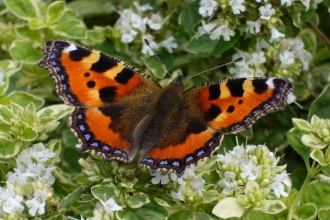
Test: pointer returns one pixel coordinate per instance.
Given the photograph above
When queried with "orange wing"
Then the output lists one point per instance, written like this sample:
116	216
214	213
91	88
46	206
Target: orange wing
86	77
232	106
108	95
212	110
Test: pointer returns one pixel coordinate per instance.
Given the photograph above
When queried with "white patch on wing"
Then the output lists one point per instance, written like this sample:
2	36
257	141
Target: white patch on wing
72	47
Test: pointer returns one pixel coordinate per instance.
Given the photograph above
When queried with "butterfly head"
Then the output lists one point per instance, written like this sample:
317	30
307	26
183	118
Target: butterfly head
178	82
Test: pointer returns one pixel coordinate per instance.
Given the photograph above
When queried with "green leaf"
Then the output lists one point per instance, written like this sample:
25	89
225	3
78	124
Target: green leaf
180	215
254	214
290	29
210	196
204	216
54	145
3	82
228	208
72	29
71	198
137	200
318	193
36	24
301	124
24	52
102	192
320	106
54	11
202	45
151	211
223	45
318	155
324	214
188	19
5	115
307	211
56	111
271	207
9	67
163	201
312	141
8	148
91	7
294	137
24	9
27	34
24	99
29	134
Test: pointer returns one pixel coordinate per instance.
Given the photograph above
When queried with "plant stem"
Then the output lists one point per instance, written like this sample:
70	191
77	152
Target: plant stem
320	33
311	173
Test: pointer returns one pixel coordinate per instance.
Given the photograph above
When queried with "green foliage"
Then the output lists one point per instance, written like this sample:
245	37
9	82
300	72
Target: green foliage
292	43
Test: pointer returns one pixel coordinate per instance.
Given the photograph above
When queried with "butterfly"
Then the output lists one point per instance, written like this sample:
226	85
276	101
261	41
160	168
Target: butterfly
120	111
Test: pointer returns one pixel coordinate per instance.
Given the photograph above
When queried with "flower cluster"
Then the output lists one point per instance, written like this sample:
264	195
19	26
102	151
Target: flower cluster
131	24
188	188
262	16
120	185
286	59
105	209
29	186
316	135
250	178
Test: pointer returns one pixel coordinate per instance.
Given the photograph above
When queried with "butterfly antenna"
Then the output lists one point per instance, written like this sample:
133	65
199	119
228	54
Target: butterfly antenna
161	62
234	61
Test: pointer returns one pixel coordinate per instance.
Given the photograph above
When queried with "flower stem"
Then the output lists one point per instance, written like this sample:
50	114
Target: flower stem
311	174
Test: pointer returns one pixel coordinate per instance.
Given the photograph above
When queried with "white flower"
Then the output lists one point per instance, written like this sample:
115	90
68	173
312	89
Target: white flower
145	48
250	171
278	183
238	151
139	22
258	58
19	177
237	6
176	179
266	12
160	177
37	203
226	159
128	34
142	8
286	2
305	57
2	76
155	22
6	193
110	206
13	205
306	3
206	28
178	195
228	182
38	152
276	35
207	7
253	26
169	44
223	31
198	184
43	174
286	58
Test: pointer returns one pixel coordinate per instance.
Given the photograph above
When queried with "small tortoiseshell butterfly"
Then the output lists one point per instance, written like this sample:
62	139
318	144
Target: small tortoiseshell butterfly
121	111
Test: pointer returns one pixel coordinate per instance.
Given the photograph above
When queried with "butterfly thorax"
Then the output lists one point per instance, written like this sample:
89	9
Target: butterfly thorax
166	103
